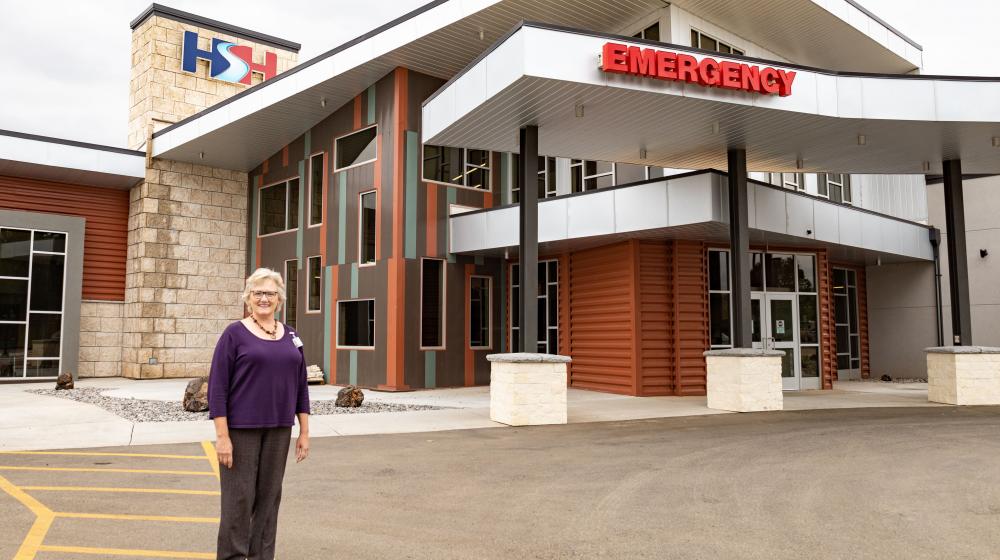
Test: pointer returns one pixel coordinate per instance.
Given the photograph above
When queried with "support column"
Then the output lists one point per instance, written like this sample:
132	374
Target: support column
528	248
739	237
958	265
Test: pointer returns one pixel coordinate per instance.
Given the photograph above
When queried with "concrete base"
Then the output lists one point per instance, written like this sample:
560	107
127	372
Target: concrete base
744	380
528	389
963	375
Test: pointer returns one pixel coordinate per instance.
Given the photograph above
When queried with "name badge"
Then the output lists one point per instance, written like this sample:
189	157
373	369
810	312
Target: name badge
296	341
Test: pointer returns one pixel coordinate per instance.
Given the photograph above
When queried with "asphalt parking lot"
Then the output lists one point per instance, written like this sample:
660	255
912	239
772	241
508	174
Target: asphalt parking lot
861	483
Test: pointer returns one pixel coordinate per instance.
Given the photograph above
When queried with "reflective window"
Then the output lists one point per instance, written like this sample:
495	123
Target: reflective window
279	207
316	189
651	33
548	307
15	250
291	292
357	148
50	242
806	266
368	227
356	323
479	312
457	166
47	282
780	272
314	286
703	41
432	303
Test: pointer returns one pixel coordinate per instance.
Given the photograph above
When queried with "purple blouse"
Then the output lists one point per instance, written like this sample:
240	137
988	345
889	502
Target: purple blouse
257	383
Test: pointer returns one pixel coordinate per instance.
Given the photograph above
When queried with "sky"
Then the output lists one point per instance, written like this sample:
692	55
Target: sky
67	63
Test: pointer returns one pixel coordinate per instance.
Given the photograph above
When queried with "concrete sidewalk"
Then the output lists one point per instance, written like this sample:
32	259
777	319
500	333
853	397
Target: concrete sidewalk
30	422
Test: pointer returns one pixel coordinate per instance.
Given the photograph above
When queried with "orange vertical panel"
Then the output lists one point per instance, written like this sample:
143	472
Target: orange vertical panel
284	156
564	318
690	316
654	319
828	340
862	295
379	201
357	112
265	166
488	200
325	199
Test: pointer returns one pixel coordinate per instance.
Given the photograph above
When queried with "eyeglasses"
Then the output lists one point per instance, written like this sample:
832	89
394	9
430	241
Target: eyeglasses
259	295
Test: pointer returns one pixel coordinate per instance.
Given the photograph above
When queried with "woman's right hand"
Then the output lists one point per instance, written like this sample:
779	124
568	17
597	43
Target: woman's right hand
224	448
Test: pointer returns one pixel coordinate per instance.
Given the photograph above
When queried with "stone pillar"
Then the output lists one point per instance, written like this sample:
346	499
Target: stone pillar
963	375
744	380
528	389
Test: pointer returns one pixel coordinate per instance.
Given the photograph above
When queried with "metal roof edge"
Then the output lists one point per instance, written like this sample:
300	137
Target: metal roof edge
74	143
885	24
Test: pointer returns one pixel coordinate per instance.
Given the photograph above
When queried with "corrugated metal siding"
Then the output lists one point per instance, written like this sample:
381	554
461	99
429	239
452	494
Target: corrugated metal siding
827	332
106	234
863	323
655	325
902	196
602	318
690	310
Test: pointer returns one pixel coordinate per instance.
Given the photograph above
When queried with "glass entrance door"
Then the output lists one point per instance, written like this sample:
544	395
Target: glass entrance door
778	330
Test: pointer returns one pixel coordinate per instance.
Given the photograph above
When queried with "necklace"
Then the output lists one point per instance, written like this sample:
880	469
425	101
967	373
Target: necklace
271	333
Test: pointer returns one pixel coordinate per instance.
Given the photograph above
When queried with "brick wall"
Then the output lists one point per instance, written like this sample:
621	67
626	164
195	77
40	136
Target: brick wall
185	268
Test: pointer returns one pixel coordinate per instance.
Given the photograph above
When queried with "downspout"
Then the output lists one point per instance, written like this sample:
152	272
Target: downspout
935	238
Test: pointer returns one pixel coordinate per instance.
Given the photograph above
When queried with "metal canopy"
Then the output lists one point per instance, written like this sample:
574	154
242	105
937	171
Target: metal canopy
65	161
856	123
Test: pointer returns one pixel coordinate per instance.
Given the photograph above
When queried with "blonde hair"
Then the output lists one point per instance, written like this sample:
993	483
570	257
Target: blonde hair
261	275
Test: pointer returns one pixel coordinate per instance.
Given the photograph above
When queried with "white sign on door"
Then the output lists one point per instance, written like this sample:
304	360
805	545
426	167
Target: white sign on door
779	326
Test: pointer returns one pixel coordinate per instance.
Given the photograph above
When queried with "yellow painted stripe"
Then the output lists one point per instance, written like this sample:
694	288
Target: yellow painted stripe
127	517
82	454
127	552
213	457
82	469
133	490
43	520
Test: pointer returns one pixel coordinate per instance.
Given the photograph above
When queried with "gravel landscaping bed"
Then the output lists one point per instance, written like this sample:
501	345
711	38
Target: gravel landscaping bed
139	410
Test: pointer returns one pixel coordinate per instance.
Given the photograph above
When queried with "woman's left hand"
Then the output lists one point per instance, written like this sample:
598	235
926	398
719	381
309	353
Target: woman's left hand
301	448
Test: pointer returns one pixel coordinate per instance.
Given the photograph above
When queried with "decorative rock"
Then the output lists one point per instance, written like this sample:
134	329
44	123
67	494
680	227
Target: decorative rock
64	381
196	395
885	378
314	374
350	396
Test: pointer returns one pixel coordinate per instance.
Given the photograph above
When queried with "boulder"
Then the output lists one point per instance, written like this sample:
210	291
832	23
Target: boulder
64	381
885	378
196	395
350	396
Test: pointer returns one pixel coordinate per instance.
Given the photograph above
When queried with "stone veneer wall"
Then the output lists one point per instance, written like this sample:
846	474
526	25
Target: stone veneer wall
100	338
161	93
185	267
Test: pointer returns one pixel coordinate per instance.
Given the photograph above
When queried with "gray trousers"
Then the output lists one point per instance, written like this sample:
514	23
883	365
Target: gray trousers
251	493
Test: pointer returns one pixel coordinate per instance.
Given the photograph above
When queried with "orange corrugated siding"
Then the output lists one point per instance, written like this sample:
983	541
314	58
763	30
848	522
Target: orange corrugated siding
827	331
863	322
690	310
602	318
655	328
106	235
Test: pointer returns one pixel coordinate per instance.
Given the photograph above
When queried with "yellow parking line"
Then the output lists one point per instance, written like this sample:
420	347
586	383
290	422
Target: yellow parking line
126	552
81	454
134	490
213	457
127	517
43	520
83	469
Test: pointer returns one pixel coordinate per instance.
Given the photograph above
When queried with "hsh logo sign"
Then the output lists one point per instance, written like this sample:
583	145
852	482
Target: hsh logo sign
226	61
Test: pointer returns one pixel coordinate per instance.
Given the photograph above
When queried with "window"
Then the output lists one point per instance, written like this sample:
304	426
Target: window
588	175
546	177
480	318
651	33
32	275
314	285
719	313
845	307
279	207
316	189
357	148
703	41
457	166
548	307
432	303
794	181
356	323
836	186
367	230
291	292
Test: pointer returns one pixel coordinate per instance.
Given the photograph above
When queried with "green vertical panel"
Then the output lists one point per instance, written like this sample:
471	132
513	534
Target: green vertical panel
412	143
300	235
452	198
502	288
504	172
353	379
371	104
354	280
328	306
430	370
308	144
254	185
342	219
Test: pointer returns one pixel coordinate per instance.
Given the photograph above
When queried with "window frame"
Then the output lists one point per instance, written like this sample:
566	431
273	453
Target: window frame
374	320
799	186
284	310
361	233
489	308
336	150
444	304
260	207
733	50
729	274
582	165
641	34
465	167
309	193
310	311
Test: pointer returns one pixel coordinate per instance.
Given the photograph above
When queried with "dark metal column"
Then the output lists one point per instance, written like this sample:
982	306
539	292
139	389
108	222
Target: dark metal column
958	265
739	237
528	249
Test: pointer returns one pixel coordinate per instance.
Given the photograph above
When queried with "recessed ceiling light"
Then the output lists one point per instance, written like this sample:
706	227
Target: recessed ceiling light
862	140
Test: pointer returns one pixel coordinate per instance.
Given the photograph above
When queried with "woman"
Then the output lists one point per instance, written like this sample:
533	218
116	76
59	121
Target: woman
256	387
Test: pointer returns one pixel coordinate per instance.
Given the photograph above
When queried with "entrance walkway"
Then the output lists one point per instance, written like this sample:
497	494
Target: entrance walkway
29	421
